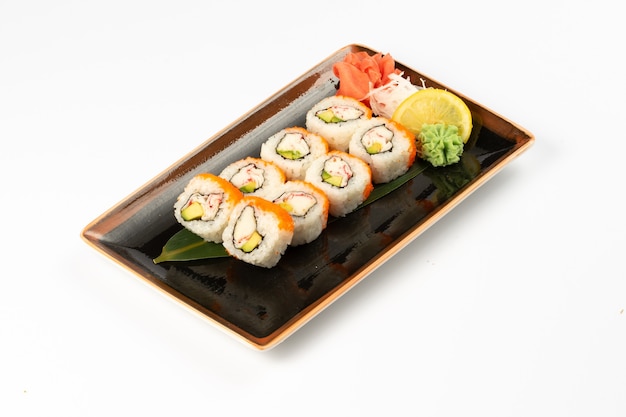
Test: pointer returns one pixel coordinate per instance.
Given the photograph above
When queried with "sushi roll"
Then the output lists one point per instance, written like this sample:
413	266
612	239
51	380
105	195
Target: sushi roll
335	118
387	147
258	232
205	205
308	206
345	179
253	176
293	149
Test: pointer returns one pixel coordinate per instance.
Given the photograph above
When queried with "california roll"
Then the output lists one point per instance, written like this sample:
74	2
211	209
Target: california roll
335	118
345	179
253	176
205	205
307	205
293	149
387	147
258	232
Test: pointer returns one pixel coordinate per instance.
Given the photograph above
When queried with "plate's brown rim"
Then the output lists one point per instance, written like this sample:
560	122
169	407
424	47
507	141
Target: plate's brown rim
92	233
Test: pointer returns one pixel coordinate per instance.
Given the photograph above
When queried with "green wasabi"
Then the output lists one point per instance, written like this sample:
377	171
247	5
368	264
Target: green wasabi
440	144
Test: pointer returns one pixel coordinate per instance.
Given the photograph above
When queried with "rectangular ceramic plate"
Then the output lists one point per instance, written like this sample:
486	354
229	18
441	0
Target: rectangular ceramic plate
263	306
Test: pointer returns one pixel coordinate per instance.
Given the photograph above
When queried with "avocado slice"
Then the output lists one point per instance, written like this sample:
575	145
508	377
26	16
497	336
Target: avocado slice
194	211
248	188
328	116
288	154
374	148
252	243
331	179
288	207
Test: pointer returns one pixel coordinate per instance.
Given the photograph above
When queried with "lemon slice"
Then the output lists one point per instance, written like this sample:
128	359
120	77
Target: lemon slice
434	106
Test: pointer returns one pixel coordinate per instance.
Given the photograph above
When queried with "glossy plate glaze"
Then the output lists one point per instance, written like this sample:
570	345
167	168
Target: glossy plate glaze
263	306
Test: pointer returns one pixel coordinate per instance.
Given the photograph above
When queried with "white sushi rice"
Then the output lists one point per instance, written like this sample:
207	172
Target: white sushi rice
275	239
389	164
201	187
345	198
338	134
310	146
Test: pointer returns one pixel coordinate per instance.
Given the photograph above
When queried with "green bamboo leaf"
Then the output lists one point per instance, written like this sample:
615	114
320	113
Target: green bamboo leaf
186	246
382	190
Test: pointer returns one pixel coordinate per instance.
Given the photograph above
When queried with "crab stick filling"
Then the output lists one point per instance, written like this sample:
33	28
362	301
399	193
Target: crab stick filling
248	179
339	113
297	203
293	146
377	140
336	172
202	207
245	234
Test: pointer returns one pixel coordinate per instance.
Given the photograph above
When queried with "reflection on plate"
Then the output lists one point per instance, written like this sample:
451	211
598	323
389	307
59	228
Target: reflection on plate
263	306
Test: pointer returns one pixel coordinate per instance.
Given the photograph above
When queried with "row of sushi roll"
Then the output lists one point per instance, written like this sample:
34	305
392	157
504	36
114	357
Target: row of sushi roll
259	206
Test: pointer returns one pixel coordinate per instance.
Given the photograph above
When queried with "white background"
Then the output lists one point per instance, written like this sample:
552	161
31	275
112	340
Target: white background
511	305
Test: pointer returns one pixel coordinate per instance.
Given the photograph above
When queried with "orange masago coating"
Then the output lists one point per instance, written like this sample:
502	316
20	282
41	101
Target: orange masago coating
224	184
285	221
